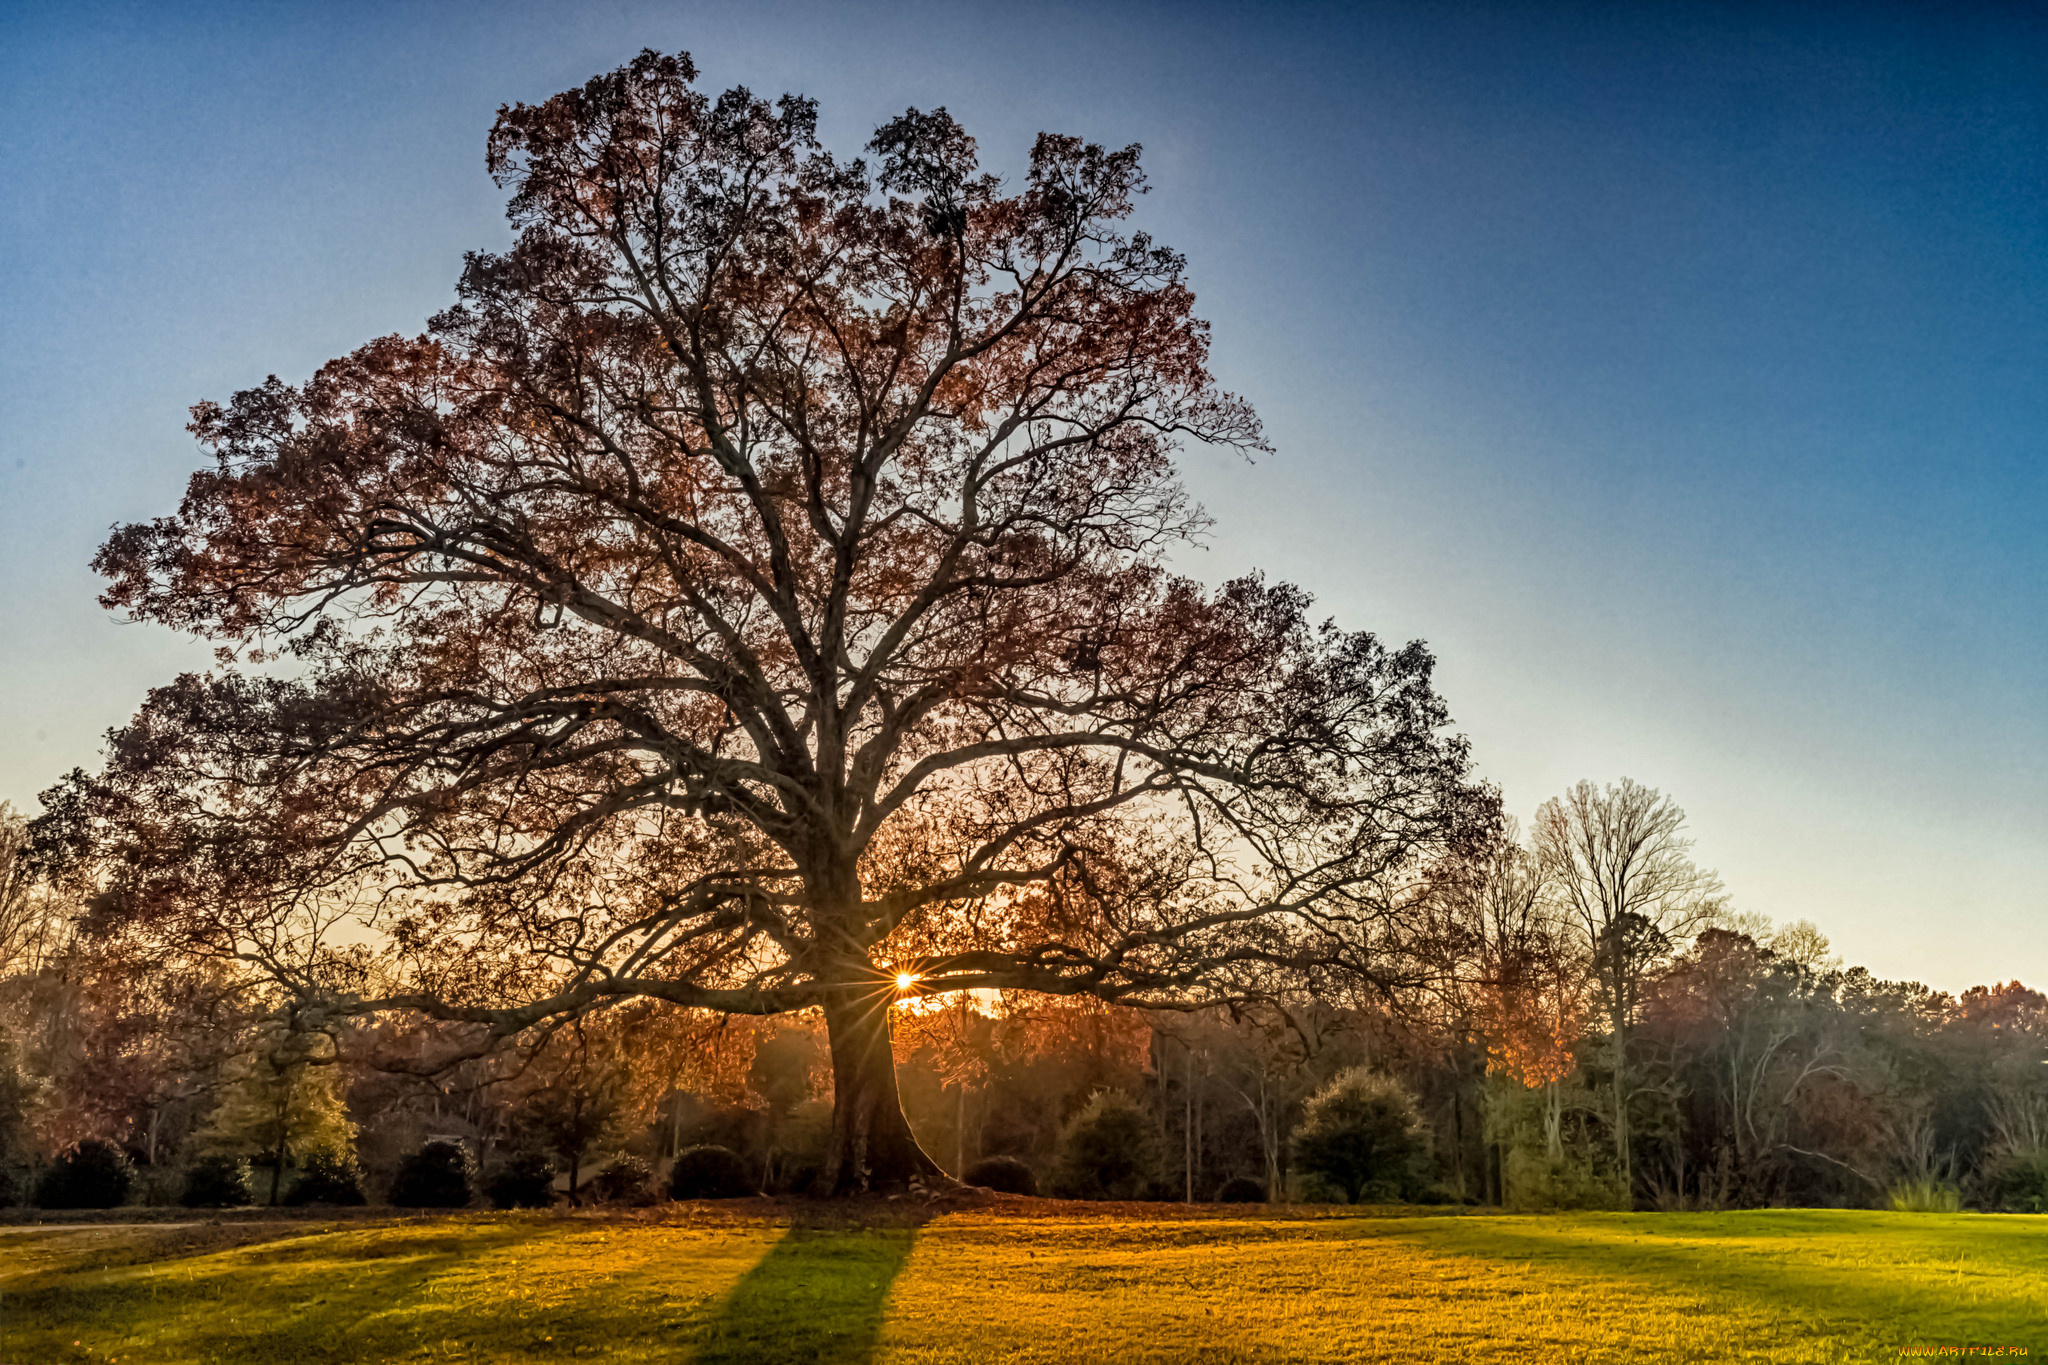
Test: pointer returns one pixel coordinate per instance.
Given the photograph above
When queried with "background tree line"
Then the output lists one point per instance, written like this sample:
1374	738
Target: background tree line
1579	1020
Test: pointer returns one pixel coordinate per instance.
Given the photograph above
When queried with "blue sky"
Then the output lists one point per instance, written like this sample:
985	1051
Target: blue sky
1677	373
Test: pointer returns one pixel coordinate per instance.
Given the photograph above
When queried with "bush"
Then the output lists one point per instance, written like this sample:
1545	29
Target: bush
217	1182
1108	1150
1242	1189
86	1175
1540	1183
628	1180
526	1180
1306	1187
2019	1184
802	1145
157	1187
710	1173
440	1175
1924	1196
1003	1174
328	1177
1361	1133
796	1179
11	1187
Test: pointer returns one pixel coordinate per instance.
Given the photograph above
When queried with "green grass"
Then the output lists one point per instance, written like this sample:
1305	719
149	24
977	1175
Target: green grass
1793	1285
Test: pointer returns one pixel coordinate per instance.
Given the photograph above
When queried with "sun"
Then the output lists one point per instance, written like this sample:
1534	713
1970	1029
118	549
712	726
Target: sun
904	981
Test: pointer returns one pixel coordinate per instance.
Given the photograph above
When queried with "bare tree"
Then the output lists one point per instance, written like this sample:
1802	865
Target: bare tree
1617	861
753	596
33	920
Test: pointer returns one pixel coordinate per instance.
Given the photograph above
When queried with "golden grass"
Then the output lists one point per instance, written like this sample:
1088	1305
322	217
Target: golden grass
1792	1285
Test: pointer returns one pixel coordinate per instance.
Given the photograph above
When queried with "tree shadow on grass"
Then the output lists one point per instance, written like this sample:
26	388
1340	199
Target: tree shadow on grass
1811	1289
819	1295
234	1300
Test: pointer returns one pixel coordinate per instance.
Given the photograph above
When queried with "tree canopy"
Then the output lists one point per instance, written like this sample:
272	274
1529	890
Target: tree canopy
755	589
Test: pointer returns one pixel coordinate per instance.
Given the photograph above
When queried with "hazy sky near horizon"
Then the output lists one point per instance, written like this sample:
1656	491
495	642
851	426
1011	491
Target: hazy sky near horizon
1677	373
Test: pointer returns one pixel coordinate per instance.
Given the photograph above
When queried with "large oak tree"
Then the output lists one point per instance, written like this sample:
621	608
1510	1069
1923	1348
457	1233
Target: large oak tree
753	594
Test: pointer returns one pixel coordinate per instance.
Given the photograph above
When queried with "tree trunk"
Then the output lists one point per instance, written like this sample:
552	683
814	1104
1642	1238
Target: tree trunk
1458	1133
1621	1144
960	1134
872	1146
1267	1149
1620	1015
284	1133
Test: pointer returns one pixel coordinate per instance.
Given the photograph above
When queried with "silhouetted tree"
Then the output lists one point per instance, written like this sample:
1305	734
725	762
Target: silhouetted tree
575	1093
754	589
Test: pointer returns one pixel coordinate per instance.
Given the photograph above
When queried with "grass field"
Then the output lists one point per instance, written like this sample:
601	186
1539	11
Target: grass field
1058	1284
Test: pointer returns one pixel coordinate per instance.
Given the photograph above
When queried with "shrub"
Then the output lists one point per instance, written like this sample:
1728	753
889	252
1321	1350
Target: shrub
2019	1184
1306	1187
216	1182
157	1187
440	1175
87	1175
1242	1189
628	1180
11	1186
802	1142
1003	1174
796	1179
1924	1196
1108	1150
1361	1133
1540	1183
710	1173
526	1180
327	1177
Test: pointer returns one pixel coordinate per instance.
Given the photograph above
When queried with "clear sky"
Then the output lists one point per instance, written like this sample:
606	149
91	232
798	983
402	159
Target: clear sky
1680	375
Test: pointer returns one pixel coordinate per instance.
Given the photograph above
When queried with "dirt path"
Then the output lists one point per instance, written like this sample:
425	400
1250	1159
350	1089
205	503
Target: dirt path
9	1229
